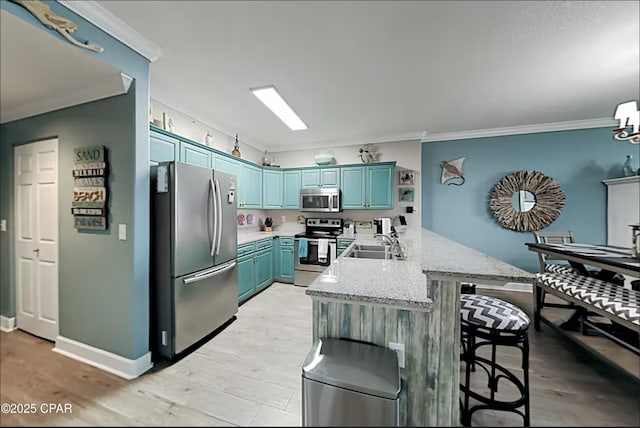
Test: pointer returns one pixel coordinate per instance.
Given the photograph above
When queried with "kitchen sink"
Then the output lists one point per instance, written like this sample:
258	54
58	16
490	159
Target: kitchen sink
361	251
356	254
363	247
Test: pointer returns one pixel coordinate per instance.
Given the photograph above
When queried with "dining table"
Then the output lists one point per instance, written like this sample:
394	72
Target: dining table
610	259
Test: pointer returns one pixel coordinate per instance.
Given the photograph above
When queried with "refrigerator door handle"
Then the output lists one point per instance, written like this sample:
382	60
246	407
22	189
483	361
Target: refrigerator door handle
215	218
210	201
219	219
209	273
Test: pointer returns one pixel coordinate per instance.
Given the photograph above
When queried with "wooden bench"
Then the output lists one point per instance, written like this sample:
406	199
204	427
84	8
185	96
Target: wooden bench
612	301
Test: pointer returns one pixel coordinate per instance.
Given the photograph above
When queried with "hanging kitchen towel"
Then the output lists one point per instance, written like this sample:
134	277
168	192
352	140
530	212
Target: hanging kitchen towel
303	248
323	250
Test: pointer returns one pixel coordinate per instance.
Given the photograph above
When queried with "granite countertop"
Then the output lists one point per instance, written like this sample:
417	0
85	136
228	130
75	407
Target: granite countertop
443	258
403	283
393	283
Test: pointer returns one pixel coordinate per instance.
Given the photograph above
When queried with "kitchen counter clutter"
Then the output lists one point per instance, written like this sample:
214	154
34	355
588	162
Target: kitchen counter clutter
413	305
244	238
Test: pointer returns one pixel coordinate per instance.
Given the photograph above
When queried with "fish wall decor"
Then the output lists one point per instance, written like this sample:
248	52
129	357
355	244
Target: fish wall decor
452	169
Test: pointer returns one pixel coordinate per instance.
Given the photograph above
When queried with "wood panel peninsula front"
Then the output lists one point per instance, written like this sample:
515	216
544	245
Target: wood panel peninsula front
415	302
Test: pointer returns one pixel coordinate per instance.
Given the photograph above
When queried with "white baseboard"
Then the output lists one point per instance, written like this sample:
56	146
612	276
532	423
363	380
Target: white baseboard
509	286
7	324
107	361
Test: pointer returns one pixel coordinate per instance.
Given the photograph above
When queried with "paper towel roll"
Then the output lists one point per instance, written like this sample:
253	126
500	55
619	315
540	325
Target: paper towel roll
386	226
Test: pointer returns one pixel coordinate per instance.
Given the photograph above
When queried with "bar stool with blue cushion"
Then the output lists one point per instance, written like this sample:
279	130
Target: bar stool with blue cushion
488	321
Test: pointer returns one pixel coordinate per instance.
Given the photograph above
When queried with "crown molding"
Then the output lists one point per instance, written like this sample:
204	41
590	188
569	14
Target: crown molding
523	129
126	81
389	138
111	24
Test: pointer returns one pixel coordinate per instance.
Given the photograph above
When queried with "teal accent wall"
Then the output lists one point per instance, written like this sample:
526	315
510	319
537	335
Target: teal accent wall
103	282
579	160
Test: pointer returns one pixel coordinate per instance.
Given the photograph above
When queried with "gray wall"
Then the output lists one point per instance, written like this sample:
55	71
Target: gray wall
579	160
103	282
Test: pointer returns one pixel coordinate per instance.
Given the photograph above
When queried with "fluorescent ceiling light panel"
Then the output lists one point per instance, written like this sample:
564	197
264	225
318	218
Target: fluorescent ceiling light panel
272	99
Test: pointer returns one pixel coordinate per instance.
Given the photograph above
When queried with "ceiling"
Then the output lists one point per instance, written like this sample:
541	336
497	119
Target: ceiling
41	73
360	72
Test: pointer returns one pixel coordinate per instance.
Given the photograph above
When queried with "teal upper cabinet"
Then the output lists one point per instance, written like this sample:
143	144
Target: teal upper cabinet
353	187
271	189
330	177
249	179
163	148
367	187
320	177
250	187
380	187
228	165
291	191
310	177
363	186
190	153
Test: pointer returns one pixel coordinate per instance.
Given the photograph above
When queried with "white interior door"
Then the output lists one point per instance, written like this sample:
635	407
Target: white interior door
36	235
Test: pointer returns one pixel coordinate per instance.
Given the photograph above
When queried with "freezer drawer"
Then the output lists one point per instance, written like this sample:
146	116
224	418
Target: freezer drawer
328	406
201	303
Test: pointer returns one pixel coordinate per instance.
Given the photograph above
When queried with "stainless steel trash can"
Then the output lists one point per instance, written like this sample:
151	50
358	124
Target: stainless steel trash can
346	383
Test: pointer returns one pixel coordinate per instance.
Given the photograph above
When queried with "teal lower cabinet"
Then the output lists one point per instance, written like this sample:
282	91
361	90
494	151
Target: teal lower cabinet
264	269
343	244
246	277
255	267
284	259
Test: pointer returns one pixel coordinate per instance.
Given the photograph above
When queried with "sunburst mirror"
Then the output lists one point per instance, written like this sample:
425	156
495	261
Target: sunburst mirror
526	201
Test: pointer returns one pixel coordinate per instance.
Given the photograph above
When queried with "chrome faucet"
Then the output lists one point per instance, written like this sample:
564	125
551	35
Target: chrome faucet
396	248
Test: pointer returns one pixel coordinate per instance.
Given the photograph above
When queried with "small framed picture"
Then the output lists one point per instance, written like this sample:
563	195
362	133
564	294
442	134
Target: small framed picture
406	194
406	178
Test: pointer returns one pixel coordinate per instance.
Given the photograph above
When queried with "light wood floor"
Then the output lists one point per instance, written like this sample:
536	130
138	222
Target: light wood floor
249	375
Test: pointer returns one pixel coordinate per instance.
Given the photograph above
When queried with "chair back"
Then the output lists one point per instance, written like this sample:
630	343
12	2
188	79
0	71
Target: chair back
551	237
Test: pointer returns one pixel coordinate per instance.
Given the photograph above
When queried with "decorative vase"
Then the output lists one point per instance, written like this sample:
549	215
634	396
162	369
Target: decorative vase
208	139
628	168
236	148
265	159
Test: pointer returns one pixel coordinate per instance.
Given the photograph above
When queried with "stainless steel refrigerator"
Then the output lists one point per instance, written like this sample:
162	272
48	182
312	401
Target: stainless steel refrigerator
194	280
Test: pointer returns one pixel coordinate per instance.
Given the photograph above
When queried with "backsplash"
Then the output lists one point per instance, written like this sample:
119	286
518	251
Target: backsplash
244	216
290	216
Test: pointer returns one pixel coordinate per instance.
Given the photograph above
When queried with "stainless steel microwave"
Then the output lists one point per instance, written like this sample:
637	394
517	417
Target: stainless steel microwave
326	200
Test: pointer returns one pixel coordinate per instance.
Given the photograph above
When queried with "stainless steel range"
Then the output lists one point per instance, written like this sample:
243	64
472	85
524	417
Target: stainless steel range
321	242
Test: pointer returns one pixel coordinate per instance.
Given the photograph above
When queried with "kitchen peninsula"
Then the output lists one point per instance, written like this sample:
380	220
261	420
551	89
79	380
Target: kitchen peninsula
414	302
